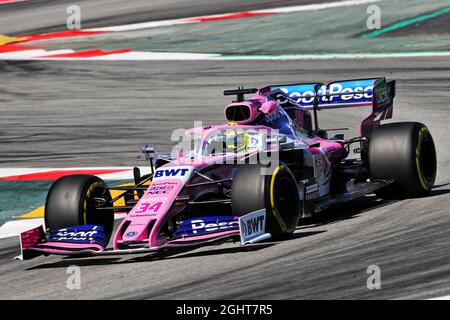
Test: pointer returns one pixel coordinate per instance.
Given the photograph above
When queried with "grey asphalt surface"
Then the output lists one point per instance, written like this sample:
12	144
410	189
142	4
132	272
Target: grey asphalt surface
88	113
39	16
98	113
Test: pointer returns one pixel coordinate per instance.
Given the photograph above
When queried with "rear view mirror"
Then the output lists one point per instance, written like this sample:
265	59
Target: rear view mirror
147	149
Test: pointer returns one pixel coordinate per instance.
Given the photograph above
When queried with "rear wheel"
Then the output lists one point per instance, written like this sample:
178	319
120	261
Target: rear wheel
404	152
71	201
276	192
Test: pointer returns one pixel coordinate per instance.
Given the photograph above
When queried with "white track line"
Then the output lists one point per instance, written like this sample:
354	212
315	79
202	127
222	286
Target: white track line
182	56
141	55
142	25
126	174
10	172
30	54
334	56
441	298
137	55
15	228
316	7
40	54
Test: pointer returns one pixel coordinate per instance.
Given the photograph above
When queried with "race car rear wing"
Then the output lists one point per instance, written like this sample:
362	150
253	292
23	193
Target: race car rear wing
375	93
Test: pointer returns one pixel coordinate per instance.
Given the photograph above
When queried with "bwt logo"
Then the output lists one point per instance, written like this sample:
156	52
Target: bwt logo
253	225
171	173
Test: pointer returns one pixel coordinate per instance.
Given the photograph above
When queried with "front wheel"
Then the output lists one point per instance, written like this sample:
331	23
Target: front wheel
72	201
404	152
277	192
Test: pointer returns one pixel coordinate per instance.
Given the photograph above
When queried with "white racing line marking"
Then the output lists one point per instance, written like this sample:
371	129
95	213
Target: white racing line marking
140	55
320	6
15	228
329	56
124	173
186	56
30	54
441	298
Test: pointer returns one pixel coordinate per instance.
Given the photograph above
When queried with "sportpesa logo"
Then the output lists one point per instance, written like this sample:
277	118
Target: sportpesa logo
201	225
80	235
205	225
337	92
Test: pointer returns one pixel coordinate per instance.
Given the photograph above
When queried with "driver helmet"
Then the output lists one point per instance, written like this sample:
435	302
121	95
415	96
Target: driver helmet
236	140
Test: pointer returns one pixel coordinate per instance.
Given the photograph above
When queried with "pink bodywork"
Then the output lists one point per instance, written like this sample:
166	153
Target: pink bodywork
144	222
253	104
34	240
150	208
153	209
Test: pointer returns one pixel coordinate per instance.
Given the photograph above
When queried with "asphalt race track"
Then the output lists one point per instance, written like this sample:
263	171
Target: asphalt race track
49	15
88	113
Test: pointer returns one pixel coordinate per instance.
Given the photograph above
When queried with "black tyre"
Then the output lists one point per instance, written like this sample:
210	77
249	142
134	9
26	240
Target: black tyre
404	152
277	193
70	202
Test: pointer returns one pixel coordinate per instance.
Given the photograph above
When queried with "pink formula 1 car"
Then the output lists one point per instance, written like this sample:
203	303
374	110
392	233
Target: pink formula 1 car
252	178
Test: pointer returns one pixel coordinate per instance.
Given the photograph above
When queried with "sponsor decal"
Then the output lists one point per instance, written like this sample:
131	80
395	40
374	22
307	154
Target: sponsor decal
322	173
79	234
252	227
206	225
256	141
161	188
345	92
318	165
170	173
180	173
131	234
273	116
209	227
140	215
382	95
65	234
321	166
311	190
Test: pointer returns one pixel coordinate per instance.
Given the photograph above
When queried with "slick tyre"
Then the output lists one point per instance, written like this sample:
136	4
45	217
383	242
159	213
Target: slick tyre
71	202
404	152
276	192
